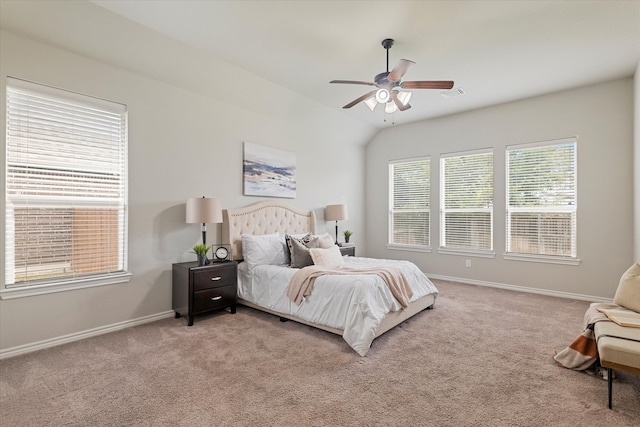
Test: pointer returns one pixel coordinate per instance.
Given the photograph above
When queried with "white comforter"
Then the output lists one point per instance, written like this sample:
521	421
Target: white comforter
355	304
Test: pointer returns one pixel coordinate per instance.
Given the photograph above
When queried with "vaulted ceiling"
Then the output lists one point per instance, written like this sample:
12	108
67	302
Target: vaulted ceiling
496	51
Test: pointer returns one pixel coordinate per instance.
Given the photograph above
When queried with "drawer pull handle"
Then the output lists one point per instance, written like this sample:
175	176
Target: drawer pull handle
216	278
216	298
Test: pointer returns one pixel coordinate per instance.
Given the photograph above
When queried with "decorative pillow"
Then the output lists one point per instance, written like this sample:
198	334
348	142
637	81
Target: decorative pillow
325	240
264	249
628	292
299	249
330	257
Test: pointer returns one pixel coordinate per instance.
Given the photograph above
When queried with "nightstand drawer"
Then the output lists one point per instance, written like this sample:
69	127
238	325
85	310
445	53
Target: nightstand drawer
348	250
208	278
214	298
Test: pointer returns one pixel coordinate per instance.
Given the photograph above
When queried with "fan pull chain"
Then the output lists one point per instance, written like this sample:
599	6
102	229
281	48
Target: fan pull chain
393	117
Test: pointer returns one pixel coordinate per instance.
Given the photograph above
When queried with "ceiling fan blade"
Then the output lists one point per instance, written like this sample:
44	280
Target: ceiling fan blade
434	84
358	100
399	70
399	104
352	82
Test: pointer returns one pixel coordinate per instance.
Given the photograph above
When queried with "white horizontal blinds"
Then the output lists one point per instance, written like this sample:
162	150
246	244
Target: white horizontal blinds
466	216
66	192
542	198
409	202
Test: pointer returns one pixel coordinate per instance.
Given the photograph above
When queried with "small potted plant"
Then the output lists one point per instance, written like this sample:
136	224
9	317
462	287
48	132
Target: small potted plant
201	251
347	235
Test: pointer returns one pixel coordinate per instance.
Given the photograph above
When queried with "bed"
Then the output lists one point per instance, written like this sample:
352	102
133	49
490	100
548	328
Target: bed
359	307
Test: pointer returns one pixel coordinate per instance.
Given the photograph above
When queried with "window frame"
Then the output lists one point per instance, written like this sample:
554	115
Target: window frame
443	210
9	290
572	209
391	207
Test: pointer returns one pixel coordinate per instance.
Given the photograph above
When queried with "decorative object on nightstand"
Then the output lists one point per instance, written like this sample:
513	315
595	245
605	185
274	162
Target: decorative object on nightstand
201	252
199	289
336	213
203	210
347	235
221	252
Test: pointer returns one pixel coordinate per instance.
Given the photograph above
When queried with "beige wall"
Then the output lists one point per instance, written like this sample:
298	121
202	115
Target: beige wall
181	144
600	116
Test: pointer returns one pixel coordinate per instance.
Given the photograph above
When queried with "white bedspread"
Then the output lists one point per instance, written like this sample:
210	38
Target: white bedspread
355	304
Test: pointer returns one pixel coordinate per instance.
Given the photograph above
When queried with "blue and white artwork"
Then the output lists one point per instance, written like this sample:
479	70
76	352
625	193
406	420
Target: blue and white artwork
269	172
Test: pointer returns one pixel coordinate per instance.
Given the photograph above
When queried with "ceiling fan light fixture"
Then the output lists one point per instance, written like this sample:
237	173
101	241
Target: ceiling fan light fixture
371	102
382	96
388	84
390	107
404	97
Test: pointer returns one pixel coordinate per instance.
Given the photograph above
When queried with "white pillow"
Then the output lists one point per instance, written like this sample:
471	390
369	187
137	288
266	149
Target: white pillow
330	257
264	249
628	292
325	240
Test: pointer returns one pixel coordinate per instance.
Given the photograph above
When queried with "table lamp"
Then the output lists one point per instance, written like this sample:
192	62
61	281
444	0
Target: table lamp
336	213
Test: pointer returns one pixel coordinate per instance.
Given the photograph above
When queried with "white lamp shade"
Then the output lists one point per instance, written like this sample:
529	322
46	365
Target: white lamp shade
203	210
390	107
404	97
382	96
371	102
336	213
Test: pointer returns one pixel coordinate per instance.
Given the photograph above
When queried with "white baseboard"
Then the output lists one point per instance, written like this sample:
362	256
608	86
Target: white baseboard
52	342
522	289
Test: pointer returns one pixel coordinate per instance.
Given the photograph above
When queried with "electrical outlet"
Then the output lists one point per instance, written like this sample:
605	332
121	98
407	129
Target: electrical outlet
468	263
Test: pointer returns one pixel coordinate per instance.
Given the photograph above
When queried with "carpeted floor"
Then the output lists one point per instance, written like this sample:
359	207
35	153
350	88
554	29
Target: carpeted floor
482	357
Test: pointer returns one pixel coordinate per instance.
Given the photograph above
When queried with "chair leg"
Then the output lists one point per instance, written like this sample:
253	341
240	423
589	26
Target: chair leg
609	383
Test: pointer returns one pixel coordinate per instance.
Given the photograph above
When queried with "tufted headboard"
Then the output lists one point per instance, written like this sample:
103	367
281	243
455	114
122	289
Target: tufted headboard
263	218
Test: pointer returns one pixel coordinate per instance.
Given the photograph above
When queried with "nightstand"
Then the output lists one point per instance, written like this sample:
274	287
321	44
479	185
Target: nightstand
200	289
348	250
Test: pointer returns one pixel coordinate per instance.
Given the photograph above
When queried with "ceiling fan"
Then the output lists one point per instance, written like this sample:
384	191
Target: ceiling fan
389	86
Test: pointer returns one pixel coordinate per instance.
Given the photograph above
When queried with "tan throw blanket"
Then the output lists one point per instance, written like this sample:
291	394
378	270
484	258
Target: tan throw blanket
583	351
302	281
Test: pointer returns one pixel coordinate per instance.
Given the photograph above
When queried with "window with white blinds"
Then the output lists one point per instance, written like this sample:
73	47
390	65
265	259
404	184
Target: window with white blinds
466	201
409	202
66	188
542	198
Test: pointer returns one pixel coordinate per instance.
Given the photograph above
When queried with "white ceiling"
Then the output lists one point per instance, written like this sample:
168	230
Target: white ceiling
497	51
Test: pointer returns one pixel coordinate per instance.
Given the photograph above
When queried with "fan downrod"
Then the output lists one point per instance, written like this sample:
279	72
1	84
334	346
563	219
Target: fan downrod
387	43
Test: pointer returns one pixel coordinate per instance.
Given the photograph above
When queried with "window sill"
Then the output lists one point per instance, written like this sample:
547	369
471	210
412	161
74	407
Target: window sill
29	291
542	258
467	252
410	248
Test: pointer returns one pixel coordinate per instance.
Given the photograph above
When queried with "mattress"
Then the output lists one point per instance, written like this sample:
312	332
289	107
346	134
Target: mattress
355	304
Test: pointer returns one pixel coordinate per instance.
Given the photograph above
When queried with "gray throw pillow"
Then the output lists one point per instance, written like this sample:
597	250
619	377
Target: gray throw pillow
299	249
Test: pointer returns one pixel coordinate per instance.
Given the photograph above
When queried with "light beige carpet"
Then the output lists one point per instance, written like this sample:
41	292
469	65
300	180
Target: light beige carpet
482	357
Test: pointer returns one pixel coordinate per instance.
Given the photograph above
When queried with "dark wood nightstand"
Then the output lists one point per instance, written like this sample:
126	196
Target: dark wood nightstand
200	289
348	250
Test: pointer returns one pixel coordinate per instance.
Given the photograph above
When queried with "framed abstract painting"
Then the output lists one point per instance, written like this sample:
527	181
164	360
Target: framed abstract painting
268	172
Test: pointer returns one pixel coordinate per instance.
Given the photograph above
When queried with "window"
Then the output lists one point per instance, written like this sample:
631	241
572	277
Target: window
66	189
541	198
466	202
409	203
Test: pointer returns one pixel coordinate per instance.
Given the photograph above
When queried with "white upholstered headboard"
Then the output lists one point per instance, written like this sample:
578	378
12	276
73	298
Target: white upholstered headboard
263	218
